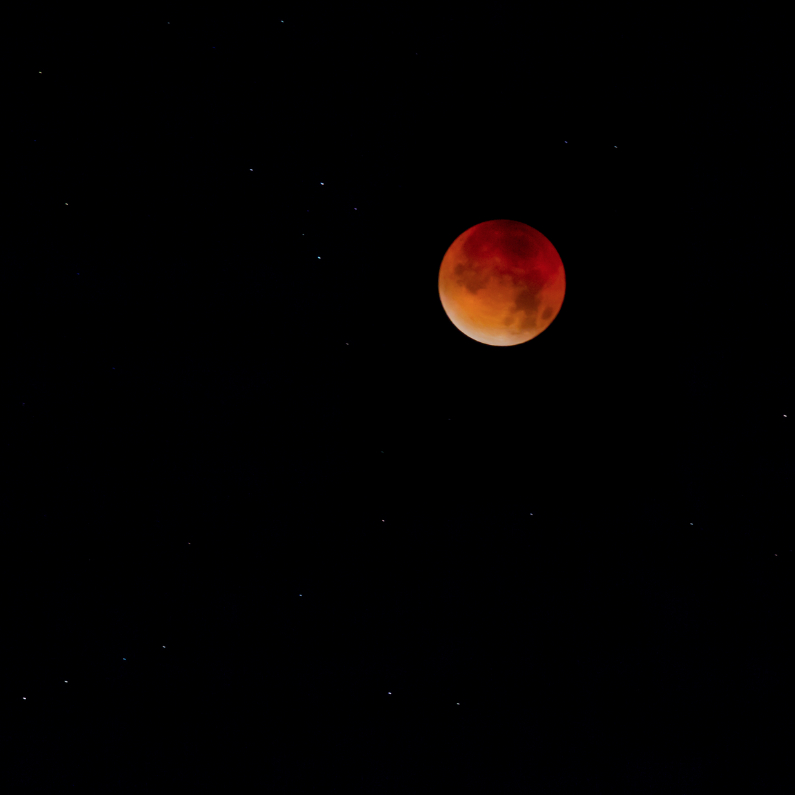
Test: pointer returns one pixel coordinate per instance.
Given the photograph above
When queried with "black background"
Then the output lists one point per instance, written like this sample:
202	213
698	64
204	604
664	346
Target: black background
383	557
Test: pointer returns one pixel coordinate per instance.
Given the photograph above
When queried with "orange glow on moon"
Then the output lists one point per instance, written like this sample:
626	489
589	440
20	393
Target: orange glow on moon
502	282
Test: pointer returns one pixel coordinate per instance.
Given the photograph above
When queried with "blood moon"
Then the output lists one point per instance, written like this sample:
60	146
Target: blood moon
502	282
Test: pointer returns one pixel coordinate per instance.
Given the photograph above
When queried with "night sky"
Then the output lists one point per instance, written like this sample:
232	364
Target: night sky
274	524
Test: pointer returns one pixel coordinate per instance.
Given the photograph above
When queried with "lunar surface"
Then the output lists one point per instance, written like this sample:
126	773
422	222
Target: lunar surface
502	282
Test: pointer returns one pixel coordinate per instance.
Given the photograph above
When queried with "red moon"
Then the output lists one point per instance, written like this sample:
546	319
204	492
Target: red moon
502	282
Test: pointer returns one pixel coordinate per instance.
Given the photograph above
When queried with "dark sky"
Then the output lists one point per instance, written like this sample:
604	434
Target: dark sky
274	521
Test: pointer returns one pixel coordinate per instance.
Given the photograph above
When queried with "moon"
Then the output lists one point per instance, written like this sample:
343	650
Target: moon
502	283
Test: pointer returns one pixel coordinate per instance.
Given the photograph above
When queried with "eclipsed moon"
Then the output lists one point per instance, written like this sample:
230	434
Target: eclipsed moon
502	282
